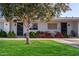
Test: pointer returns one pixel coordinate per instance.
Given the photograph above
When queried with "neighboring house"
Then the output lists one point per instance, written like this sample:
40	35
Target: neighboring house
62	24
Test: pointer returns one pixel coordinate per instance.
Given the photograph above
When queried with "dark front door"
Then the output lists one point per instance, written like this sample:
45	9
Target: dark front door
64	28
19	29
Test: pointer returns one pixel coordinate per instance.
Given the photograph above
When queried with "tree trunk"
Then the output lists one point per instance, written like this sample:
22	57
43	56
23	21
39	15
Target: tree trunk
27	37
26	23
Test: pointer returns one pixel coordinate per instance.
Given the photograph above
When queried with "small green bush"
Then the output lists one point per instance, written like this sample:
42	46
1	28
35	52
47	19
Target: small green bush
11	35
32	35
3	34
65	36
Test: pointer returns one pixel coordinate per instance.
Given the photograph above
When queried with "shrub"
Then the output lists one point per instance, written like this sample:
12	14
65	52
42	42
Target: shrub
3	34
32	35
11	35
59	35
41	35
65	36
73	33
44	35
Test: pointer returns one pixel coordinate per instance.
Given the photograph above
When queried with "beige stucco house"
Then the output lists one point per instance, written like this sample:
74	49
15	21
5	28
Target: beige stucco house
61	24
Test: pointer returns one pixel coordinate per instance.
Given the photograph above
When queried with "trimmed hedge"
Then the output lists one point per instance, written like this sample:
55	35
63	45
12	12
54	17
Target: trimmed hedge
65	36
11	35
32	35
59	35
3	34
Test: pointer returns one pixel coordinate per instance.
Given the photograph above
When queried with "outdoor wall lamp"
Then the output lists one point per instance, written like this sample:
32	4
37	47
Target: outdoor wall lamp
68	24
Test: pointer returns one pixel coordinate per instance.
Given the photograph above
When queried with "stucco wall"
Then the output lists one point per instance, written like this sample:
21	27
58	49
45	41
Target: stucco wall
1	25
78	28
6	26
69	28
75	27
43	27
14	27
71	25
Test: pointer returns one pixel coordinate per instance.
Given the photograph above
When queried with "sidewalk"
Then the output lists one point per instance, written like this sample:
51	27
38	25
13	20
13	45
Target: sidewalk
74	43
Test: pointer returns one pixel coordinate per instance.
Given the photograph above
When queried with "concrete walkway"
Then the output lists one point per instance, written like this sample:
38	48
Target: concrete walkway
72	42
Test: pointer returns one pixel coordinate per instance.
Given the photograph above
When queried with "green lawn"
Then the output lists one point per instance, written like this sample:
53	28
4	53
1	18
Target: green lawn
36	48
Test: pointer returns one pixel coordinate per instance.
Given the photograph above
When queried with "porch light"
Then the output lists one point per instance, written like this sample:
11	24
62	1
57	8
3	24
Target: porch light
15	24
6	24
68	24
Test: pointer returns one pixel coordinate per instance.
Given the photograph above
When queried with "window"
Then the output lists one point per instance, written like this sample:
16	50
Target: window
52	25
34	26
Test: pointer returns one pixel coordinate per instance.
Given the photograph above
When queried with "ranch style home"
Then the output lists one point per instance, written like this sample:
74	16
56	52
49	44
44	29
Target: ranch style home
61	24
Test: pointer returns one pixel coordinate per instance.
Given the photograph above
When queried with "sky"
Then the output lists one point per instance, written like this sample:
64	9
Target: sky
74	12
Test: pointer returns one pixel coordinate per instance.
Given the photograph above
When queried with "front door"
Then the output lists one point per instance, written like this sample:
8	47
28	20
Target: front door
64	28
19	29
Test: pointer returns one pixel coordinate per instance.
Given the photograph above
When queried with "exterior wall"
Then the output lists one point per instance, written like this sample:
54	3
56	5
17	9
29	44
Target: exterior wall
24	29
44	27
69	27
72	26
59	27
41	27
1	26
14	27
78	28
75	27
6	27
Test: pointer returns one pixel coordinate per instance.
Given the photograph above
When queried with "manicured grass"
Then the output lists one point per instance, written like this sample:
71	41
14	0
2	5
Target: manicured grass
36	48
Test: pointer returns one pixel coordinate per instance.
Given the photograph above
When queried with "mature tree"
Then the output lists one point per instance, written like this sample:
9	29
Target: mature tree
28	12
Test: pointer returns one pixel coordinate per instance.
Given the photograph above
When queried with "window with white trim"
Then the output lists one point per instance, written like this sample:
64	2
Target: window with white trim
52	26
